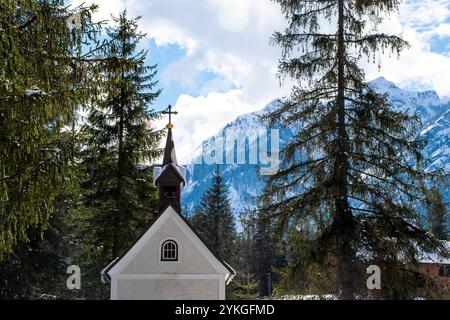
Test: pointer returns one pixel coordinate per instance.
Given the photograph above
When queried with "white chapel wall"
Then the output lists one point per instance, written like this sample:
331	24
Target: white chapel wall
190	259
169	289
144	276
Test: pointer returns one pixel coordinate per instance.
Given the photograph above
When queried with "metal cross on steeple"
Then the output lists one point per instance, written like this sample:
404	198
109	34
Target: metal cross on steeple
170	113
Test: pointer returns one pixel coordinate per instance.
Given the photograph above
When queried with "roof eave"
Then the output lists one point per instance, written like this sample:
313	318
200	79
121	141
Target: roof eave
104	274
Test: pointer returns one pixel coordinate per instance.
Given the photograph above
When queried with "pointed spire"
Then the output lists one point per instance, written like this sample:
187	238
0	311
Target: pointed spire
169	150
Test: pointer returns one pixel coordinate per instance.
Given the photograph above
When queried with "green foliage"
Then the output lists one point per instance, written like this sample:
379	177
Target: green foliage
258	254
214	220
43	77
303	275
354	171
47	222
34	270
438	215
120	199
37	269
245	286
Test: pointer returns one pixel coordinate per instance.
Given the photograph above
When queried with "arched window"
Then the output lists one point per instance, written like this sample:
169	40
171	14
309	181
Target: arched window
169	192
169	251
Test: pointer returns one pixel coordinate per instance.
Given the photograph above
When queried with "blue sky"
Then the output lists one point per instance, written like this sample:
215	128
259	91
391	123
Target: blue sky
166	55
440	40
215	60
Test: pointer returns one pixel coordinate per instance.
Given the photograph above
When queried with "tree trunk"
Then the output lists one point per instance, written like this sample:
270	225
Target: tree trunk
119	186
343	216
115	248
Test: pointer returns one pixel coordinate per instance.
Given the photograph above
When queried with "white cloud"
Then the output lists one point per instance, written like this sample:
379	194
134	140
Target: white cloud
424	14
231	38
198	118
233	15
418	67
442	30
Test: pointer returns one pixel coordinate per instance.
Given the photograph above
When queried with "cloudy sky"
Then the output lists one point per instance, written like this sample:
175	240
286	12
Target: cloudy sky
216	62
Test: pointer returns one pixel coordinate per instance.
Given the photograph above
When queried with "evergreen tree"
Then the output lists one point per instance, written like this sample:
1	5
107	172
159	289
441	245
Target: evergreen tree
258	253
246	258
300	275
214	220
247	250
245	286
120	198
355	169
438	215
37	269
43	78
268	252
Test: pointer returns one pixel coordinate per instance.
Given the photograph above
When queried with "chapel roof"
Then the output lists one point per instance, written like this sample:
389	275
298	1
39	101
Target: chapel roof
105	272
169	160
169	150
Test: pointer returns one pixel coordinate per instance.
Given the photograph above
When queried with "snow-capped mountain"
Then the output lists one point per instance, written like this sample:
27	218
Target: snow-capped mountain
438	149
244	183
426	104
243	179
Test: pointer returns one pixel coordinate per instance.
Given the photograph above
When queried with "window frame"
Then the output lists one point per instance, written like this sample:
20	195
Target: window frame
169	192
163	257
447	270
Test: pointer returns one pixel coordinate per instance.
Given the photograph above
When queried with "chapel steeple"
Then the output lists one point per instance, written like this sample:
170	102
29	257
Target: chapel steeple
169	177
169	150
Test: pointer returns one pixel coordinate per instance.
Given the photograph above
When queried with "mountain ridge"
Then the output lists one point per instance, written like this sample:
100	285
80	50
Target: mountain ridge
243	181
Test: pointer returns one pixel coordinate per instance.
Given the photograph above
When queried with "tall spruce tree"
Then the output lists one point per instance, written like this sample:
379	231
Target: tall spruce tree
258	254
44	76
355	168
214	220
37	268
438	215
119	192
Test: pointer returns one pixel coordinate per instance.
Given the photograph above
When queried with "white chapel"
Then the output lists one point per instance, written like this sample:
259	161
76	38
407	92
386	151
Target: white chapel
169	261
